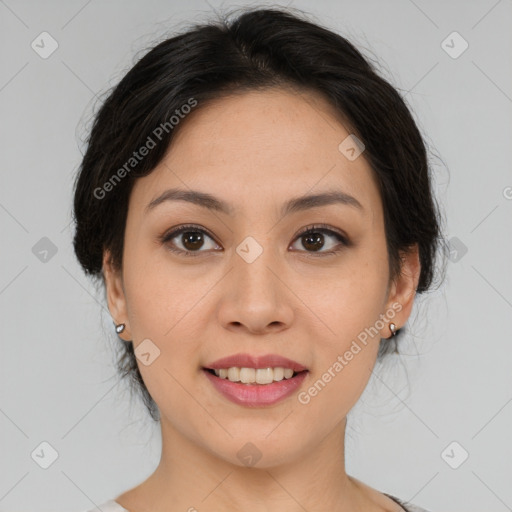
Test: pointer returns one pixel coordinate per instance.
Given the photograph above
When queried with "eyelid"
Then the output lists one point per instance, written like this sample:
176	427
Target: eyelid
324	228
174	232
321	228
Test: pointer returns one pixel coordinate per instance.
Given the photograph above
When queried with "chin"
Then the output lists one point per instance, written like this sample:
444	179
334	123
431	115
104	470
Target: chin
253	450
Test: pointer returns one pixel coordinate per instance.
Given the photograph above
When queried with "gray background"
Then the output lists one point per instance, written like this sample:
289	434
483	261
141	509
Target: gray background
57	382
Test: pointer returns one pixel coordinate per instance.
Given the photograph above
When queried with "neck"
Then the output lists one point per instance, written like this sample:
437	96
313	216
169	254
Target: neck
190	477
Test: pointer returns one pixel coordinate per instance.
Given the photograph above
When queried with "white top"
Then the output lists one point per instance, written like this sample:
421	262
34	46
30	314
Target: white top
113	506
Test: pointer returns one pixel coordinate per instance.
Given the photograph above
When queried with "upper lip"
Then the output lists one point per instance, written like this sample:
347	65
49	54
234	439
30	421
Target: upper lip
253	361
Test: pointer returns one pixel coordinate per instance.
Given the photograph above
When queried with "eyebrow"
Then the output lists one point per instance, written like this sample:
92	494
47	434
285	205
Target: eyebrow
296	204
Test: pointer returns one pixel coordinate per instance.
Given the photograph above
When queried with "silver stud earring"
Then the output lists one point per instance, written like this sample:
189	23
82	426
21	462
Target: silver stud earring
120	328
392	328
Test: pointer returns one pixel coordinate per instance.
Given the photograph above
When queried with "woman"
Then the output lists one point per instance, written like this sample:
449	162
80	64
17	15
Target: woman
257	202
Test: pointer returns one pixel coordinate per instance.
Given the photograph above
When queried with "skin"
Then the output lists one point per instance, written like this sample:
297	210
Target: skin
256	150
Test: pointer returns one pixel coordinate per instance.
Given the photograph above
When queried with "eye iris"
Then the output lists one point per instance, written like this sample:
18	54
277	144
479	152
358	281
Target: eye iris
313	241
192	240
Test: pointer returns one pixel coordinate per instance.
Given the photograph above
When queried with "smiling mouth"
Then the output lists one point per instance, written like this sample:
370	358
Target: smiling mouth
252	376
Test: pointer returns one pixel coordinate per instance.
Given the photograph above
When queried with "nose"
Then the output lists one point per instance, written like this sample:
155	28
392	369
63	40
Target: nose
255	297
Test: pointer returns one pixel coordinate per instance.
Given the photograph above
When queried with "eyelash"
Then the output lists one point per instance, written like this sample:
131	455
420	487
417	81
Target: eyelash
316	228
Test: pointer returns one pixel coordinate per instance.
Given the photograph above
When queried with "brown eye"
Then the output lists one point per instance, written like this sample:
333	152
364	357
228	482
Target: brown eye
192	240
187	240
315	238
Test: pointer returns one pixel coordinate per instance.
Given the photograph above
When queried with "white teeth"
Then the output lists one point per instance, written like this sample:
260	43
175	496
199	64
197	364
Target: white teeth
234	374
254	375
247	375
278	373
264	375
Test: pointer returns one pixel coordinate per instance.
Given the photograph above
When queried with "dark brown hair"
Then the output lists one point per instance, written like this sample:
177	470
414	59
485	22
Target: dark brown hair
258	49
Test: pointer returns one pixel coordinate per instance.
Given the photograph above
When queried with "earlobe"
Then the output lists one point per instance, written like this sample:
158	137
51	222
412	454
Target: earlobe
115	295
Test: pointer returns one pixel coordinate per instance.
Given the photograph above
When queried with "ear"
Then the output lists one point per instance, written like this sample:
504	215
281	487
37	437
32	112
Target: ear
115	294
403	289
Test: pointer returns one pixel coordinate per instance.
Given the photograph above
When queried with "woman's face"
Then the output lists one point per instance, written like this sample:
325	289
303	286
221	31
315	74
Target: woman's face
243	280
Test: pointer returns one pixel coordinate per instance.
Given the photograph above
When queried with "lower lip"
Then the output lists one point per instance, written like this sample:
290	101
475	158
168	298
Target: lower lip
256	395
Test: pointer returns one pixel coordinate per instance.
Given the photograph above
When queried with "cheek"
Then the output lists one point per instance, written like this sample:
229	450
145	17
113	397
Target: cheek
160	307
346	356
351	309
355	299
160	298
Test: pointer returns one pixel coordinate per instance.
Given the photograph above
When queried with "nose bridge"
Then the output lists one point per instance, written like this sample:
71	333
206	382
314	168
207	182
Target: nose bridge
254	297
253	260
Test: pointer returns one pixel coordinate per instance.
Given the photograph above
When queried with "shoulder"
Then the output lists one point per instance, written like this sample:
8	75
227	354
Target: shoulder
383	499
409	507
107	506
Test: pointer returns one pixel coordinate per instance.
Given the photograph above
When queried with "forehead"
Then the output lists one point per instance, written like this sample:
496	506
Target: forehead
262	144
